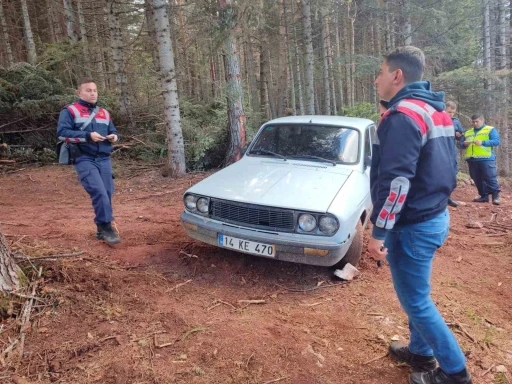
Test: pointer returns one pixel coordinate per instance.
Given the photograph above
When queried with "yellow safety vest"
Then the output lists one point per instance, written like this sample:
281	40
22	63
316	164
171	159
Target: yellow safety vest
478	151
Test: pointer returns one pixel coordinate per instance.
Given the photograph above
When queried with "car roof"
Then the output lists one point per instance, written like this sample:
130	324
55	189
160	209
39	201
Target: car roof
353	122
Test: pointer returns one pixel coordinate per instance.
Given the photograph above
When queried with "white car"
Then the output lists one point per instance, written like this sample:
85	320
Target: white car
301	193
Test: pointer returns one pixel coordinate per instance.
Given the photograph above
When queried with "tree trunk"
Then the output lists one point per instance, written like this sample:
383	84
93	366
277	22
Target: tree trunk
406	23
309	58
148	12
236	115
264	104
487	53
325	57
70	20
251	73
340	67
9	271
83	38
504	102
175	145
283	77
5	32
99	60
116	44
29	38
289	65
297	66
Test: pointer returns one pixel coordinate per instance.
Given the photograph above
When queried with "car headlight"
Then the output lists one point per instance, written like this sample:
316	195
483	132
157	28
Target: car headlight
202	204
307	222
328	225
191	202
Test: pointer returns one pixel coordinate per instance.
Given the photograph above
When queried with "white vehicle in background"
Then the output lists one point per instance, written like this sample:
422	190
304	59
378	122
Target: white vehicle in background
301	193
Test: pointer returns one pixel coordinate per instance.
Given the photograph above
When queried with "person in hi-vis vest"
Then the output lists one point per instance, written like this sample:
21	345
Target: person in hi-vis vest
479	143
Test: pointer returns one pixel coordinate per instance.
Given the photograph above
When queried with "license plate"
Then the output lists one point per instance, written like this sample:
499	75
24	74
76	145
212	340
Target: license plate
247	246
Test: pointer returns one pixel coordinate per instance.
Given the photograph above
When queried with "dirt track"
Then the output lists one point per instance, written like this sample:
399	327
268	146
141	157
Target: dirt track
113	309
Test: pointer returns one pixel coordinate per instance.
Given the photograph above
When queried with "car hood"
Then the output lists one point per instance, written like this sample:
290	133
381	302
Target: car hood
297	185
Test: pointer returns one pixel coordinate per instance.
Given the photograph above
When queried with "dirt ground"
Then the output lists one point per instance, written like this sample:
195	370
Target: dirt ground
161	308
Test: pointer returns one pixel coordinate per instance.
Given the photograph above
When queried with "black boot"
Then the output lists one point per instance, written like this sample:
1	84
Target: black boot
496	198
437	376
107	233
401	353
453	203
481	199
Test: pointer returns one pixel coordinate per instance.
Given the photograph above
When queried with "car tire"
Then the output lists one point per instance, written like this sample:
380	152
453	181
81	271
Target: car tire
353	254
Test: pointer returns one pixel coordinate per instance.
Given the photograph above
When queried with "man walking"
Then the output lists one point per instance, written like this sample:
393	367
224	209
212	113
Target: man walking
479	143
410	216
94	137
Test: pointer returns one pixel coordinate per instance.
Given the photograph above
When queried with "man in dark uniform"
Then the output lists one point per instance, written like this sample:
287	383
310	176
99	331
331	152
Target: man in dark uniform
95	147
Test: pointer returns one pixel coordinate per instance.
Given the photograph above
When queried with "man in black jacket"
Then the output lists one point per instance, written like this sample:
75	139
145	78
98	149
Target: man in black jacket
412	176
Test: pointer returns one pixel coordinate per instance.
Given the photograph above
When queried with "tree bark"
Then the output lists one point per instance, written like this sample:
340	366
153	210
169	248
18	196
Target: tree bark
297	66
9	271
83	39
5	32
309	58
117	46
340	67
325	57
236	115
175	145
504	102
70	20
289	65
29	38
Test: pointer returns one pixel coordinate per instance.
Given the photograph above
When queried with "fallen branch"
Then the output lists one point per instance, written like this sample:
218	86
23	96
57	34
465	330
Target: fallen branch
179	285
276	380
375	359
252	301
459	325
488	370
7	161
310	289
64	255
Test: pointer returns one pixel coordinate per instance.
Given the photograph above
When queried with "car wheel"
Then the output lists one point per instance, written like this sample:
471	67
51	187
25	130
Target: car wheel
353	254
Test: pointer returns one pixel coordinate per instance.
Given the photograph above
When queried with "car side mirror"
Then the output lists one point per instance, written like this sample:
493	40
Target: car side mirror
367	161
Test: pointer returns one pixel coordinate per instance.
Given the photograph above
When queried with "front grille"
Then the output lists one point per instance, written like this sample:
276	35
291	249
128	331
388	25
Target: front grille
252	215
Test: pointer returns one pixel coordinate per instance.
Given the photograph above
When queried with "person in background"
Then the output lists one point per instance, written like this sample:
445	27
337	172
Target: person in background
451	109
479	142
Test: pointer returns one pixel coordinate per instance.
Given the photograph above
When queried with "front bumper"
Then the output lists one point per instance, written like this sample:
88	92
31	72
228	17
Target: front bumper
305	249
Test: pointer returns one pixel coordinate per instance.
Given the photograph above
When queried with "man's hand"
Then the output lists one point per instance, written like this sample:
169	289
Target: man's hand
376	249
477	142
95	136
467	143
112	137
458	134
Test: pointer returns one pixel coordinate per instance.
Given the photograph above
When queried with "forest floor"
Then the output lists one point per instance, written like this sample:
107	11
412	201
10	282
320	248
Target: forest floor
162	308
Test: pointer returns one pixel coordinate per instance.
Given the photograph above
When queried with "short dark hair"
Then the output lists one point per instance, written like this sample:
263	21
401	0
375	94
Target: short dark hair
477	116
451	104
410	60
86	80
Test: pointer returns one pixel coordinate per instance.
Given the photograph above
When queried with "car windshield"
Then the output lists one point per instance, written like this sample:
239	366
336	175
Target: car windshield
311	142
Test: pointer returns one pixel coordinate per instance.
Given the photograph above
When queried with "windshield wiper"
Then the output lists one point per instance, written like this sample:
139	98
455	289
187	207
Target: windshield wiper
265	152
314	158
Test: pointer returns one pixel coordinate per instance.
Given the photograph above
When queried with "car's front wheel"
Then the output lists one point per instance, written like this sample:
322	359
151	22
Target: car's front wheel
353	254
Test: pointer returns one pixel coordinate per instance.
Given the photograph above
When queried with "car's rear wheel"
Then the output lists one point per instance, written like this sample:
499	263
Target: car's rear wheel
353	254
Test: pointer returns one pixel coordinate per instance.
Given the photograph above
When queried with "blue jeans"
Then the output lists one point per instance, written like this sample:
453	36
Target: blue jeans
95	174
411	250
